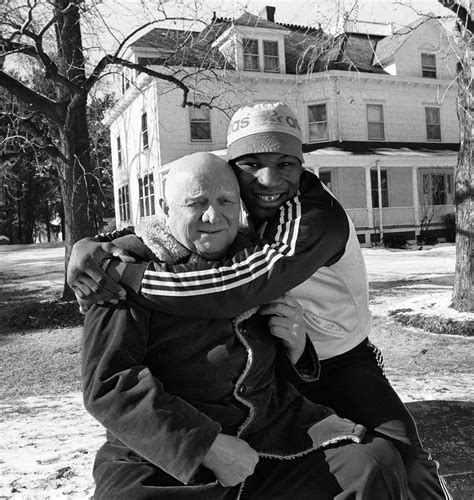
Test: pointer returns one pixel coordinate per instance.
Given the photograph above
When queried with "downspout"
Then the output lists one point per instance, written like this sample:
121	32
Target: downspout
379	194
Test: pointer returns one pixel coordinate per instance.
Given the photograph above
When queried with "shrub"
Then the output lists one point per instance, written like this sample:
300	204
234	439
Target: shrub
426	238
449	221
394	241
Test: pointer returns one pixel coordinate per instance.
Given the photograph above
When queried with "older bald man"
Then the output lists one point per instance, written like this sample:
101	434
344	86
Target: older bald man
206	408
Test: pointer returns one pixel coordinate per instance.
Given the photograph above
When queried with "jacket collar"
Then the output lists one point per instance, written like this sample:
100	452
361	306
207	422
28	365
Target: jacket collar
155	234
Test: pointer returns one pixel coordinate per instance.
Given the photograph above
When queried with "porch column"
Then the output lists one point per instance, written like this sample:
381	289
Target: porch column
368	193
416	203
379	193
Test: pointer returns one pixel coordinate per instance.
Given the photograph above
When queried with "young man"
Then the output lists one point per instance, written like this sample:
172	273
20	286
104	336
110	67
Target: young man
204	408
264	148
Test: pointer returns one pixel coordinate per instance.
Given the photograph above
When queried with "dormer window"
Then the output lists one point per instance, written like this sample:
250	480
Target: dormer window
251	59
254	44
428	65
271	60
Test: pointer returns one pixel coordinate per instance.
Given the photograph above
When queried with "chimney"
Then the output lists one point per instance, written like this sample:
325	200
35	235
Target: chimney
269	13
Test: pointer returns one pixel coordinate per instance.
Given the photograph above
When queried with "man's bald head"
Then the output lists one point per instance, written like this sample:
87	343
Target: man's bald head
202	204
199	167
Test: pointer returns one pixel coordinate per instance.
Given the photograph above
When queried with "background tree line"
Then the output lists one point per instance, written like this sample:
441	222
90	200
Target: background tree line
33	209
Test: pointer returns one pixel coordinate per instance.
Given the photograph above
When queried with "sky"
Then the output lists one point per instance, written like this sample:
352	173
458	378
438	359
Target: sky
125	15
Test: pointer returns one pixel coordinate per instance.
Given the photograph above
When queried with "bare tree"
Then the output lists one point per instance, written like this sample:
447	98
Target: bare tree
49	34
463	294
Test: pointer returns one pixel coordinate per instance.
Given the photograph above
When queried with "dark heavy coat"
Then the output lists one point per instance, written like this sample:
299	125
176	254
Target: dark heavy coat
165	386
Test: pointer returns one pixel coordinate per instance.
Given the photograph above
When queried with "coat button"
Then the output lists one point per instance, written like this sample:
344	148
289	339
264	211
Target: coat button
242	390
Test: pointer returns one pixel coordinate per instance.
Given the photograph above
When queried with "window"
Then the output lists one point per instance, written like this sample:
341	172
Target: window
375	189
162	179
437	189
125	80
375	122
151	61
200	123
144	132
119	152
128	77
271	61
318	122
124	203
433	124
146	194
428	65
325	177
251	55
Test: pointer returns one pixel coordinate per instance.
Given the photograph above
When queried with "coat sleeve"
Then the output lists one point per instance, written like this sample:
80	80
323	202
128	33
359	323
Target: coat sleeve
124	396
309	231
113	235
306	369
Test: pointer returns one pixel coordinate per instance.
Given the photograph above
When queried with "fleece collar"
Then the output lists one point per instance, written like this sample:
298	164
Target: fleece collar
155	234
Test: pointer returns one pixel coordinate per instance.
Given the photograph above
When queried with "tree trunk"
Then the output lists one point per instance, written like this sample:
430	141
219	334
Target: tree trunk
74	177
47	217
30	212
75	167
463	299
19	227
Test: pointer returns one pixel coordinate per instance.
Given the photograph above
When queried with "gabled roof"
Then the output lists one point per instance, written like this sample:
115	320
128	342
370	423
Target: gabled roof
387	47
182	47
253	21
307	49
357	53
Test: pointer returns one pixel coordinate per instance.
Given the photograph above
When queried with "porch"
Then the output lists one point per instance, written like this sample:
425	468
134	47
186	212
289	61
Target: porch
385	191
372	224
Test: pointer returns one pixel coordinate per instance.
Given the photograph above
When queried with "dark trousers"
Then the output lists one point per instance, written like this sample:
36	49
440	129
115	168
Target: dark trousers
354	385
372	470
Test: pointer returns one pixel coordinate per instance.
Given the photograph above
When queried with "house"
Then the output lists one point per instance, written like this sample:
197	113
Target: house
377	110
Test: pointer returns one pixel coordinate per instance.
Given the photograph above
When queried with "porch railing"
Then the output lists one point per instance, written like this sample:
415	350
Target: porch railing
404	217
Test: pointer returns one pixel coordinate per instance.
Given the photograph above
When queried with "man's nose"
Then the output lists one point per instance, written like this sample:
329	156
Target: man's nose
268	176
212	214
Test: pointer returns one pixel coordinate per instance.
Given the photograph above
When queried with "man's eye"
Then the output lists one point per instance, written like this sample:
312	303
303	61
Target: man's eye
248	166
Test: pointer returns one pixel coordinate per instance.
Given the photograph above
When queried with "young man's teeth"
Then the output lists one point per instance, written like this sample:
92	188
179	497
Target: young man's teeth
269	197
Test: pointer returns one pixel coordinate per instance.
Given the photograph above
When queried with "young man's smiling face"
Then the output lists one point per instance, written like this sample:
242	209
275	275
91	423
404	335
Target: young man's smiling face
267	181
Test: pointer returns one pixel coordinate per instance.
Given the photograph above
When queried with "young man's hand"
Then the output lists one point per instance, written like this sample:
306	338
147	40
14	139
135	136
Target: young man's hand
231	459
88	280
286	322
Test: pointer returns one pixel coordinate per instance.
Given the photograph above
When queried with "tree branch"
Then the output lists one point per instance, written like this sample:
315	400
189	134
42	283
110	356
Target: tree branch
463	15
112	59
9	159
10	47
46	143
51	109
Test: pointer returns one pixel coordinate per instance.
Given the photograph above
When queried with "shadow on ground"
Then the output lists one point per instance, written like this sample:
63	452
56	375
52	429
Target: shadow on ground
445	428
395	287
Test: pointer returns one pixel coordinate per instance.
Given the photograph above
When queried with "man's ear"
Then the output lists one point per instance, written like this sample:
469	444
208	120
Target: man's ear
164	206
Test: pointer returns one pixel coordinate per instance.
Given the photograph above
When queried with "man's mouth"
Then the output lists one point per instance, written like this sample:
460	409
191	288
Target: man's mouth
269	198
212	231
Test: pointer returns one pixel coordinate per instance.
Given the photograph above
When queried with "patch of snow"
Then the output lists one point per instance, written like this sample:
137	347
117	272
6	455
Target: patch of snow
426	278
